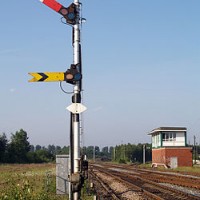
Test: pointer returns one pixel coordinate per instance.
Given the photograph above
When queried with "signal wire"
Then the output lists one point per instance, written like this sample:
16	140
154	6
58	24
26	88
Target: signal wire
64	90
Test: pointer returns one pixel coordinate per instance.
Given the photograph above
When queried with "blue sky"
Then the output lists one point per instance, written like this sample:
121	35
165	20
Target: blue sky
141	69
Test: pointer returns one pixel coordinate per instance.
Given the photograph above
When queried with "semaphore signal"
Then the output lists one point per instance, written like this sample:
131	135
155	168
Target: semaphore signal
73	76
69	13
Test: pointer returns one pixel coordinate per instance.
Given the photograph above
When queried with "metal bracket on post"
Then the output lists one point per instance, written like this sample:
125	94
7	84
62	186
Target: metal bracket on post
74	179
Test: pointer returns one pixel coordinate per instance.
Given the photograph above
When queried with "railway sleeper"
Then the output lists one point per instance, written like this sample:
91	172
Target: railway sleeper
109	194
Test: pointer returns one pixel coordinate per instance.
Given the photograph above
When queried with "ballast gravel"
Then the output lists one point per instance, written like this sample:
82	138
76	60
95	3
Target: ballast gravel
121	189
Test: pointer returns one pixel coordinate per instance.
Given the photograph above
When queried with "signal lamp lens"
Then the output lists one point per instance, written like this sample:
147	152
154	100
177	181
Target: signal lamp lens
64	11
77	77
71	16
69	76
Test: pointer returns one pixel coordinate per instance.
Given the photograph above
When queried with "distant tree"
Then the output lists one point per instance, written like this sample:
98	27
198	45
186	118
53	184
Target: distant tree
37	147
137	155
97	151
58	150
105	155
44	148
105	150
111	149
83	150
52	149
128	151
89	152
131	153
18	147
121	153
31	157
65	150
32	148
3	147
43	156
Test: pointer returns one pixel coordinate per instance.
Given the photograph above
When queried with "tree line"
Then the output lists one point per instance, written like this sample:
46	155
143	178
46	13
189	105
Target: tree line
19	150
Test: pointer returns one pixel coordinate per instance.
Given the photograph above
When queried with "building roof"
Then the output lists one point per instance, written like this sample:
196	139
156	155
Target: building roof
167	129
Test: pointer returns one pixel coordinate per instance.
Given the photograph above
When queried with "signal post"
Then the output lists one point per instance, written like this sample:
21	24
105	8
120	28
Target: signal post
75	117
73	76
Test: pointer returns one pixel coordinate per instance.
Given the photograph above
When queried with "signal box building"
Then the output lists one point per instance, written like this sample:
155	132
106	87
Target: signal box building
169	147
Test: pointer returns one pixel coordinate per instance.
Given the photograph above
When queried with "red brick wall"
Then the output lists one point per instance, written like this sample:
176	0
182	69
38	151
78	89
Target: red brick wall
162	155
158	156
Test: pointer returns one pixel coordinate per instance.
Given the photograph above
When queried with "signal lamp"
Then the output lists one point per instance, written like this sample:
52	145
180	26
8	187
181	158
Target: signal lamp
63	11
69	13
72	75
69	76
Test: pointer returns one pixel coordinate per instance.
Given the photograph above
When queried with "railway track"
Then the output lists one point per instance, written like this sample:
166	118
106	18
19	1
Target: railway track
142	185
184	180
104	189
108	188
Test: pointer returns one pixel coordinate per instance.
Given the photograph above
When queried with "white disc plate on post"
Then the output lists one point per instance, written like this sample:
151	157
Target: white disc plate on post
76	108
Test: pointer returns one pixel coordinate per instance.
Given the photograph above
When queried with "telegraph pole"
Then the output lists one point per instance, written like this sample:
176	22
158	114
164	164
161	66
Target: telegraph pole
194	149
144	149
94	153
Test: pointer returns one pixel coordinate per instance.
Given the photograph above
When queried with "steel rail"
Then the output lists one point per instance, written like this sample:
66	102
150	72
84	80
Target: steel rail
132	179
136	188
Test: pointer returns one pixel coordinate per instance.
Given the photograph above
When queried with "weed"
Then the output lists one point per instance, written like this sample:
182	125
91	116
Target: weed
30	182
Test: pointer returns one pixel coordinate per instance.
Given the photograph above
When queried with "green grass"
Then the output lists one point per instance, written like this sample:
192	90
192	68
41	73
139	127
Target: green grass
29	182
194	169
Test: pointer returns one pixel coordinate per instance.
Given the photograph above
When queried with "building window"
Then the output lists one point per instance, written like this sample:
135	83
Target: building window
169	136
156	140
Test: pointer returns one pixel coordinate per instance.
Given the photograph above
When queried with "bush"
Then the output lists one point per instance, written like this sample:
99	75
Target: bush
122	161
